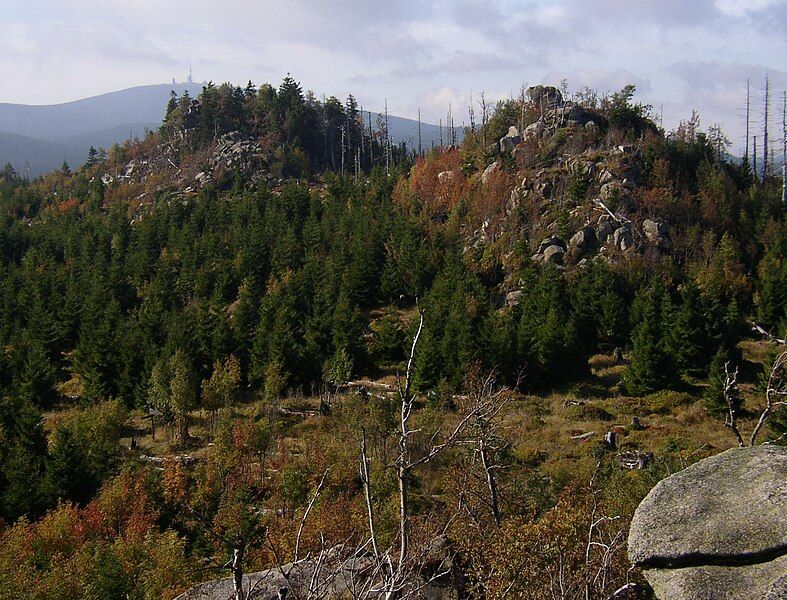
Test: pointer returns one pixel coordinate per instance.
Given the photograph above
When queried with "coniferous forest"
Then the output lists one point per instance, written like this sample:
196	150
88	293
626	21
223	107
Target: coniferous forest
342	345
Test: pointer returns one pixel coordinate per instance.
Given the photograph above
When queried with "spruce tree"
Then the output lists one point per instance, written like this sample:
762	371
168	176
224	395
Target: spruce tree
772	292
651	366
23	471
38	378
687	339
182	393
68	472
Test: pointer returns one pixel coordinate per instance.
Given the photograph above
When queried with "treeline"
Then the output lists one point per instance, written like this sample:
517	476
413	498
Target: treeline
304	134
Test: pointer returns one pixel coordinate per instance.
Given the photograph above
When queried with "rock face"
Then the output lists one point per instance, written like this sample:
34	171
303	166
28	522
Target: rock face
495	166
547	96
334	578
511	139
582	242
655	231
554	254
717	529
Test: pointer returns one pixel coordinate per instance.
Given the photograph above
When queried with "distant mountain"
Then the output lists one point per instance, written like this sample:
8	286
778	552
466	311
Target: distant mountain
145	104
406	130
40	137
34	156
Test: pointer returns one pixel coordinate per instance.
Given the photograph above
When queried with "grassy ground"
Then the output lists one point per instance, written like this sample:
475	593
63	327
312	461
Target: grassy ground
544	425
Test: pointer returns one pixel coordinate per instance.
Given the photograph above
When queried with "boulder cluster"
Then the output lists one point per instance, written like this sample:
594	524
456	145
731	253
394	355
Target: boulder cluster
608	233
555	112
231	153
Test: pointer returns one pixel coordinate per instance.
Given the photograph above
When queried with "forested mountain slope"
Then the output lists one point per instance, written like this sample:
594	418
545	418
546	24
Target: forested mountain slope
236	270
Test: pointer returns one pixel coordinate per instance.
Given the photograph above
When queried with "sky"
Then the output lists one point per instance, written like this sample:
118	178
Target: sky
682	55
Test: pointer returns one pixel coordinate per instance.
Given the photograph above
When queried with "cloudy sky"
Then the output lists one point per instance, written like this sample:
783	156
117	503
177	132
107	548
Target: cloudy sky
681	54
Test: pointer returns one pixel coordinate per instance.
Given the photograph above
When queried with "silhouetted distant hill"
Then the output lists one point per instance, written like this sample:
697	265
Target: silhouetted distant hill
145	104
37	156
43	135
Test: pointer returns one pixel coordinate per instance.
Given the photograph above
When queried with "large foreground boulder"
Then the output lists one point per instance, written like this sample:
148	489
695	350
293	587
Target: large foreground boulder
718	529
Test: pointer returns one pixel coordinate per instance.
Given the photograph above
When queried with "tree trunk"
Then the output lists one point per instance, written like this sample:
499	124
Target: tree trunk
404	532
237	571
491	483
184	429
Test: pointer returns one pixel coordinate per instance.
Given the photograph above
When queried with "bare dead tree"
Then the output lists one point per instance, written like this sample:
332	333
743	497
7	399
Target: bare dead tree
522	97
769	335
731	398
288	570
471	114
371	140
395	567
598	539
483	404
484	117
784	148
387	142
765	116
625	591
775	393
748	117
420	144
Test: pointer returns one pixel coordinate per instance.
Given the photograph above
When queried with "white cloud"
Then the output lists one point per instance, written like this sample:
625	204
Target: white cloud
739	8
408	52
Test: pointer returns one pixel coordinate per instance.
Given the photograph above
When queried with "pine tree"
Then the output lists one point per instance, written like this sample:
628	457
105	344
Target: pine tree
687	337
68	472
651	366
772	292
182	393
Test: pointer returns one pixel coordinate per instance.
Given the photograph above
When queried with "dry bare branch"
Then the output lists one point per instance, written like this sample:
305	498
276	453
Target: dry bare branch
775	391
730	396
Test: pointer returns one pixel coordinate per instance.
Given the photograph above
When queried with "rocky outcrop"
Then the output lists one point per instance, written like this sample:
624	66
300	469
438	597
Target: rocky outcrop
582	243
234	152
337	576
550	250
534	130
555	113
550	241
554	255
492	168
621	238
718	529
510	140
605	229
547	96
655	231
